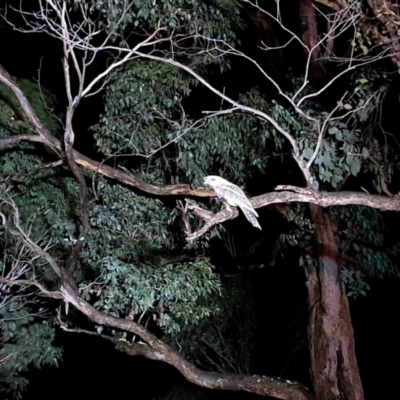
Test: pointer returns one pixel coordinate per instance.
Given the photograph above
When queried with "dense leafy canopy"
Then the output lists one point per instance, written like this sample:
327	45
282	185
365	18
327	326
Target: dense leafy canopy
134	264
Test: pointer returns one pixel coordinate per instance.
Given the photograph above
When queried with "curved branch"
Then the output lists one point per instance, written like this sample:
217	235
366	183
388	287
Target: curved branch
291	194
327	199
28	282
154	348
293	144
26	107
262	385
324	199
123	176
19	138
157	350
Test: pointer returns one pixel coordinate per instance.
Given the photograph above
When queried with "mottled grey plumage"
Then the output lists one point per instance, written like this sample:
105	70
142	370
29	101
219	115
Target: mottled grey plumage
232	195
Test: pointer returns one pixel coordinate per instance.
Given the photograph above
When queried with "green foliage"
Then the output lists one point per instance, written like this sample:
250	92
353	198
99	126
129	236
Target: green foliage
23	342
299	226
125	268
365	243
26	339
369	248
27	334
140	107
349	144
227	337
38	200
338	155
235	146
128	266
172	295
218	19
366	237
12	117
145	115
126	226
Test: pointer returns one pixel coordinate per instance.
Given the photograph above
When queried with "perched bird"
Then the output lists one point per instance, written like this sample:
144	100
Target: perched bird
232	195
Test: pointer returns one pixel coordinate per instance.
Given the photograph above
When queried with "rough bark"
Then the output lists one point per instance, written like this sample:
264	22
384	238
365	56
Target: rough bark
325	199
265	27
262	385
334	366
309	30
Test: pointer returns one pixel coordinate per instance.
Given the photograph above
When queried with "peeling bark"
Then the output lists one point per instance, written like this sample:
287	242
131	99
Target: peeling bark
273	54
334	366
309	29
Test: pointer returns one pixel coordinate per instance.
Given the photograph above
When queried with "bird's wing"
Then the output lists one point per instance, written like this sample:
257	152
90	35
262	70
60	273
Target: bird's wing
251	217
236	197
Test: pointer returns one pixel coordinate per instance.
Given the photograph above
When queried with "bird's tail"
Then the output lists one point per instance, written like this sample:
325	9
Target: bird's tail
251	217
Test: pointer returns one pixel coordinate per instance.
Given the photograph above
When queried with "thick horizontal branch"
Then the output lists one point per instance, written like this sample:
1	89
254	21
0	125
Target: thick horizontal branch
131	180
293	195
328	199
19	138
323	199
320	198
46	137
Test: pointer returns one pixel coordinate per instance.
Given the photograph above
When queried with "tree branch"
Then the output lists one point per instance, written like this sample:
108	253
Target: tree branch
157	350
28	282
262	385
26	107
292	194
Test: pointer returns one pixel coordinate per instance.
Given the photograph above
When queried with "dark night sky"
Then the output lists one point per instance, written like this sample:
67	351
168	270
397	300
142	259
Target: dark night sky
375	317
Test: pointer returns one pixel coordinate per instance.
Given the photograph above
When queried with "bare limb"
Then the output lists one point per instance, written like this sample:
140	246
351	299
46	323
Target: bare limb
24	103
25	239
27	282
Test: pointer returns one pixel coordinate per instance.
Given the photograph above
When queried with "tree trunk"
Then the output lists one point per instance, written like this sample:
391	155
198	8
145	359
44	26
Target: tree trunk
309	32
334	366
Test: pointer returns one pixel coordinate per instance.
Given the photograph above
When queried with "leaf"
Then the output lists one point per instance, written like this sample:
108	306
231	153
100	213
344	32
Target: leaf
365	152
307	153
355	166
339	135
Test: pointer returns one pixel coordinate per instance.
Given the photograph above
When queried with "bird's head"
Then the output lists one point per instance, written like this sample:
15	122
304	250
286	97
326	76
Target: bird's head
211	180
